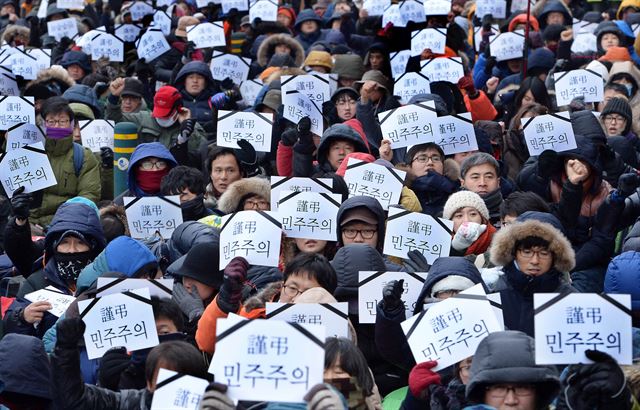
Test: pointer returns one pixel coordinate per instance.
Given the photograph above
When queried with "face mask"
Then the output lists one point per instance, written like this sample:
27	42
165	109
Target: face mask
58	133
629	89
71	264
194	209
149	181
167	122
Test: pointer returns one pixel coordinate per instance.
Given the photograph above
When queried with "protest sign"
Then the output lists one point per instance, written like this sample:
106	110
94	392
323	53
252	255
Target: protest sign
62	28
567	324
297	184
409	125
309	215
123	319
334	316
152	45
128	32
150	215
315	86
42	55
205	35
393	15
297	106
162	288
58	300
27	166
96	134
229	66
70	4
162	21
455	133
433	39
240	5
578	83
398	62
412	10
518	5
551	131
265	10
24	64
268	360
443	69
16	110
409	85
584	43
507	46
107	45
23	134
177	391
451	330
477	35
437	7
375	7
497	8
251	126
8	83
582	26
377	181
254	235
370	285
407	231
139	9
249	90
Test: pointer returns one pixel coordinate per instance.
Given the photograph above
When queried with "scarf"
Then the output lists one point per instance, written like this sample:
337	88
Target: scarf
481	244
149	181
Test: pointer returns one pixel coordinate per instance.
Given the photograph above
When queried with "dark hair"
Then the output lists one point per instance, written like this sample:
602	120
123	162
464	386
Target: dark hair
315	267
530	242
351	359
628	77
56	105
535	108
619	88
423	147
167	309
522	201
180	178
537	88
215	152
183	358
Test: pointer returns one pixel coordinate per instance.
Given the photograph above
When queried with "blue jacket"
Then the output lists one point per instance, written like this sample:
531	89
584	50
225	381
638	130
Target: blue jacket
623	276
84	94
24	367
199	104
142	151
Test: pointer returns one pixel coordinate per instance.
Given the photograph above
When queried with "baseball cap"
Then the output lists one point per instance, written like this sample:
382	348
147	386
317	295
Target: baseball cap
360	214
165	101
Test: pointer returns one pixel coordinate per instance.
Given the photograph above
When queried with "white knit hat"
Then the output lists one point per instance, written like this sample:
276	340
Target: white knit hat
463	199
451	282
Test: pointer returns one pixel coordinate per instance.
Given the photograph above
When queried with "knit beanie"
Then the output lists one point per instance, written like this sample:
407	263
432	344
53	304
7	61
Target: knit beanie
552	32
348	66
619	106
462	199
319	58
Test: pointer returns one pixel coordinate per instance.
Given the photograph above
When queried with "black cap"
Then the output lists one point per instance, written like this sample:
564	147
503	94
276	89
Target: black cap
132	87
201	264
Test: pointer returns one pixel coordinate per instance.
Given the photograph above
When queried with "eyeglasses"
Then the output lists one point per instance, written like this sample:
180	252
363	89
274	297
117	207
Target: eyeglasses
253	204
365	233
501	390
425	158
291	291
542	254
60	123
614	118
149	165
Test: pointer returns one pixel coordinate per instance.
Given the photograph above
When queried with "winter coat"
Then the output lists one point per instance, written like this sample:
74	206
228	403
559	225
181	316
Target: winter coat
433	189
55	79
622	277
307	40
24	367
199	104
84	94
367	114
268	47
238	191
550	7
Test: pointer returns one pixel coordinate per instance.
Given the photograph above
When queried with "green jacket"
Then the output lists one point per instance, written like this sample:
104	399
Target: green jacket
87	184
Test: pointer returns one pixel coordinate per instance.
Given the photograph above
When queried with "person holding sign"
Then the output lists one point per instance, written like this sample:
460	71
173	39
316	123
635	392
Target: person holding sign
472	231
375	98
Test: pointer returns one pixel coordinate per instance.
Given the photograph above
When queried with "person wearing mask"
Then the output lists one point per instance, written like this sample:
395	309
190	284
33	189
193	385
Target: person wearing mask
188	183
472	230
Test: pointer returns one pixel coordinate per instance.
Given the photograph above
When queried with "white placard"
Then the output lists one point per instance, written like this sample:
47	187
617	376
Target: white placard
152	45
497	8
377	181
29	167
84	41
8	83
451	330
443	69
409	85
477	35
398	62
139	9
370	285
584	43
581	26
229	66
177	391
42	9
240	5
291	354
578	83
249	90
96	134
433	39
297	184
496	303
16	110
70	4
149	215
408	231
23	134
507	46
250	126
455	133
409	125
412	10
549	132
298	105
333	316
162	288
123	319
58	300
24	64
519	5
568	324
437	7
205	35
254	235
309	215
375	7
62	28
162	21
128	32
265	10
393	15
43	55
315	86
107	45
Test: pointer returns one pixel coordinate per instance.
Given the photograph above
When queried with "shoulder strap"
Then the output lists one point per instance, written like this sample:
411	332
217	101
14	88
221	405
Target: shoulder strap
78	158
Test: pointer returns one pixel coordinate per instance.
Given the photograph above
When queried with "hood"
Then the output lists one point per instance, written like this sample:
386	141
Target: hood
84	94
604	28
142	151
78	217
550	7
138	257
522	19
625	4
24	367
307	15
268	46
55	80
542	58
91	273
335	37
362	201
585	123
503	245
239	190
187	235
14	30
623	276
348	262
448	266
194	67
625	67
587	151
440	104
357	126
339	131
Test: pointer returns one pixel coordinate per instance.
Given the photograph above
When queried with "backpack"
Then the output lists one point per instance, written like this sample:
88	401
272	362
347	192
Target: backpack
78	158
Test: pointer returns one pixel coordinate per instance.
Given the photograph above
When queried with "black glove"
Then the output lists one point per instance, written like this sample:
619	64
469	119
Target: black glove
491	62
487	19
628	183
289	137
143	69
189	49
69	332
106	156
21	203
391	295
187	127
248	158
598	385
416	262
64	43
235	274
547	163
304	125
112	364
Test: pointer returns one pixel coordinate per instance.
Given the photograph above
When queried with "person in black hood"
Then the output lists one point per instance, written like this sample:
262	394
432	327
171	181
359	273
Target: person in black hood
195	83
188	183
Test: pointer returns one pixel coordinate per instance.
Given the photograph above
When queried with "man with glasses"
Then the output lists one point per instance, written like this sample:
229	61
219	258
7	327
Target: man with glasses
345	100
616	117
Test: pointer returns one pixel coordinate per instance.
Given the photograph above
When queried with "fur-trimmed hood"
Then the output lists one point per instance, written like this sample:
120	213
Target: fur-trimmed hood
503	245
14	30
267	49
238	191
53	74
259	301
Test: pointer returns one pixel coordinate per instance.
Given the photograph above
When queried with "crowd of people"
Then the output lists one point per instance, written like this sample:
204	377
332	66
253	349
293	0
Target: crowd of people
558	222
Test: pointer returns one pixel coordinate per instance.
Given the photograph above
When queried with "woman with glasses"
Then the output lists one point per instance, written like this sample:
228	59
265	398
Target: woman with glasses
247	194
